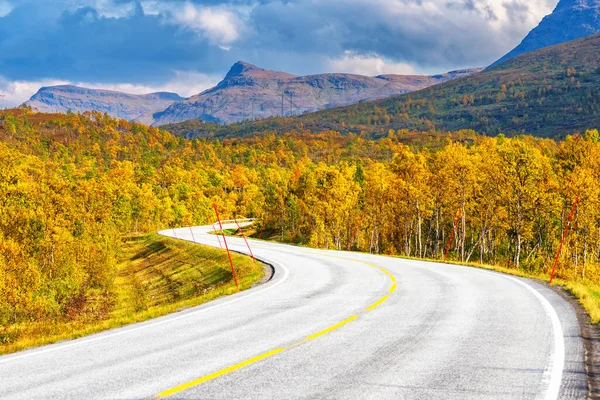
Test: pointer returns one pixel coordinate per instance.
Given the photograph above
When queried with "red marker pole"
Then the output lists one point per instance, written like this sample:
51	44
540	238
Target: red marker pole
355	232
244	236
227	247
175	233
218	238
564	236
192	232
263	227
451	236
298	229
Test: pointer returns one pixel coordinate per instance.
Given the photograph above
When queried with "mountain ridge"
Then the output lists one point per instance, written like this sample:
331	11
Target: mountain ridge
551	92
250	92
570	20
62	98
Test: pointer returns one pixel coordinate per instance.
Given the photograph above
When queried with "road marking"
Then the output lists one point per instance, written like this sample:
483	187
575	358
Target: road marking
377	303
385	271
214	375
332	328
224	371
557	364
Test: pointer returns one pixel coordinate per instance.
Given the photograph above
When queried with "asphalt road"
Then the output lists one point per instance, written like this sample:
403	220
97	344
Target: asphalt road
328	325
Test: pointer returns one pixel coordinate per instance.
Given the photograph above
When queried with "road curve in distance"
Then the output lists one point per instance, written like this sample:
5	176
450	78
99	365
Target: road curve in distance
333	325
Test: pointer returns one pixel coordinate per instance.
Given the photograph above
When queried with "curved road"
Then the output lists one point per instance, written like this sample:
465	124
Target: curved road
328	325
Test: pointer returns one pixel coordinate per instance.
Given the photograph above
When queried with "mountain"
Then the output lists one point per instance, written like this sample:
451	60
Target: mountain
250	92
551	92
572	19
121	105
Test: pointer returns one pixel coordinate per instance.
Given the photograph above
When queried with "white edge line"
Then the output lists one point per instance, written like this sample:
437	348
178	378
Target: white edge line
558	358
124	329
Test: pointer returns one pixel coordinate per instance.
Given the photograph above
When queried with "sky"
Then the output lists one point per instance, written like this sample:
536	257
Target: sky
186	46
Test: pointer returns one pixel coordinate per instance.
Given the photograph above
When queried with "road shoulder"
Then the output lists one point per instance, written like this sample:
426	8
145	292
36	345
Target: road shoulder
590	335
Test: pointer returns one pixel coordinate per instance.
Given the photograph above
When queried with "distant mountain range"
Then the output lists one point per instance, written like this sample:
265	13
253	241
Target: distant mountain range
250	92
550	92
571	19
122	105
247	92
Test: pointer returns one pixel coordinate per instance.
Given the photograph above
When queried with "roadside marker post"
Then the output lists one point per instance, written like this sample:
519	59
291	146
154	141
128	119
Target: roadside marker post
218	238
192	232
564	236
263	227
451	235
227	247
175	233
350	244
298	229
245	240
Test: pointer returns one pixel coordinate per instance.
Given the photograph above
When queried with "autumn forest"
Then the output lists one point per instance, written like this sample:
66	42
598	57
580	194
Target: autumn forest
72	185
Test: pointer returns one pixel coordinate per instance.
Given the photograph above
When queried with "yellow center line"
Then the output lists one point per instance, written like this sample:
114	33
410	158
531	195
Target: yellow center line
214	375
377	303
332	328
224	371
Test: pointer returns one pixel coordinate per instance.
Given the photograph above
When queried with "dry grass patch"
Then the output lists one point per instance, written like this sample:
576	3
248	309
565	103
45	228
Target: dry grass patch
156	276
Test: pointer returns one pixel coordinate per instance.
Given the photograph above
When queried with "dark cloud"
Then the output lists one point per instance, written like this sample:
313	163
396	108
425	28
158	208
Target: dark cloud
80	40
36	42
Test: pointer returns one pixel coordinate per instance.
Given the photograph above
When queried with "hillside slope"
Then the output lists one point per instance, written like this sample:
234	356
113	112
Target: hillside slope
551	93
122	105
250	92
570	20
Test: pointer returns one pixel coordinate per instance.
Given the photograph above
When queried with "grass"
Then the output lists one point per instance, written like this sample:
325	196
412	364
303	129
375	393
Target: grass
155	276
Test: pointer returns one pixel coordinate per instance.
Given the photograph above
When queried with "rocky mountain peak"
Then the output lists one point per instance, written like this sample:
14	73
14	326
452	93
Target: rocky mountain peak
566	4
570	20
242	68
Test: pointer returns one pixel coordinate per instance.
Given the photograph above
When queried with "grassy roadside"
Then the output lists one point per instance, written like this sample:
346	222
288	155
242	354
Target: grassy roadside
155	276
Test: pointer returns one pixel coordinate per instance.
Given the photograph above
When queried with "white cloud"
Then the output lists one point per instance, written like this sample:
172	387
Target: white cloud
5	8
17	92
152	7
431	34
184	83
221	27
370	65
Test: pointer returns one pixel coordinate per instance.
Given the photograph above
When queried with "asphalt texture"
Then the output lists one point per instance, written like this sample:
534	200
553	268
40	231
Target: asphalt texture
328	325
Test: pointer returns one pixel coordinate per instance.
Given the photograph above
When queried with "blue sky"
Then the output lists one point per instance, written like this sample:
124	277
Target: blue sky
186	46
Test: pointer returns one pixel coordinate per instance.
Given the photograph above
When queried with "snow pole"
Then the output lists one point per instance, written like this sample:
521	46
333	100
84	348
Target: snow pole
564	236
227	247
451	235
